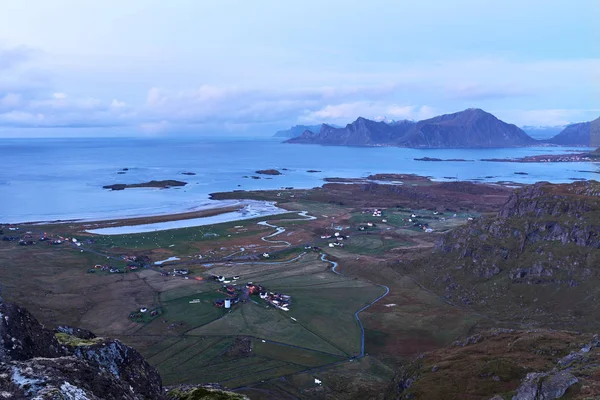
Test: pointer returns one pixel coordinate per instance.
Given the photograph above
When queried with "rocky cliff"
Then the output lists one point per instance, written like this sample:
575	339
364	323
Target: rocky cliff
535	263
468	128
69	363
73	364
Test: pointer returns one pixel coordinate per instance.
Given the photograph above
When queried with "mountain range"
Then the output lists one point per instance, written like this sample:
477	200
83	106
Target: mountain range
471	128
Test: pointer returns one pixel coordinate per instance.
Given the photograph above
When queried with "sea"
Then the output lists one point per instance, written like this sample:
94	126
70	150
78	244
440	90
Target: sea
62	179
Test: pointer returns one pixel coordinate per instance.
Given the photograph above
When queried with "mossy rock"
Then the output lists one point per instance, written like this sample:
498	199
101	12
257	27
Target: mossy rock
203	393
70	340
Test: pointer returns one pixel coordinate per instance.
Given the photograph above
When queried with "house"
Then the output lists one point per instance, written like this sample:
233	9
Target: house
230	289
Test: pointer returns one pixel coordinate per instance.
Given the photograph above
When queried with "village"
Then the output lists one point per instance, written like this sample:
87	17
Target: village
241	294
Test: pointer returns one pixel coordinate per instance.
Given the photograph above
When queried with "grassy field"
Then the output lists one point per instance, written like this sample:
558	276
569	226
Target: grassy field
319	329
251	342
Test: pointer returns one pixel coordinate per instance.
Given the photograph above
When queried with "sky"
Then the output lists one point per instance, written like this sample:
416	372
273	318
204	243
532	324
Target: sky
180	67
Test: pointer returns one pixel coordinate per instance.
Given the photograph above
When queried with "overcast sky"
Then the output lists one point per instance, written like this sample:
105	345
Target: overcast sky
83	67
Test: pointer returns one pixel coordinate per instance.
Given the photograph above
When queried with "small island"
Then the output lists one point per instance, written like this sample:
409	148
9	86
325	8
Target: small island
439	159
399	177
268	172
152	184
188	173
313	171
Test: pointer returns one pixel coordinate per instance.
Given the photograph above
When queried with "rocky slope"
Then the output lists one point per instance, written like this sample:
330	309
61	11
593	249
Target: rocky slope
505	364
468	128
581	134
74	364
534	264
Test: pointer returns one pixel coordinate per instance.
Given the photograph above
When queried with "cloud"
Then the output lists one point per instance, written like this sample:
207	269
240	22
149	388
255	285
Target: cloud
548	117
60	110
153	127
347	112
478	91
14	56
10	100
29	98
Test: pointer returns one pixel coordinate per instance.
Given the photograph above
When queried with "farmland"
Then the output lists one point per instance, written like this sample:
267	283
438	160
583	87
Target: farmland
253	344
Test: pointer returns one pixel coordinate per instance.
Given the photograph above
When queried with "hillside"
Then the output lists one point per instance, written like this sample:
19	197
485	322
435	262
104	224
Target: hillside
503	364
533	264
469	128
581	134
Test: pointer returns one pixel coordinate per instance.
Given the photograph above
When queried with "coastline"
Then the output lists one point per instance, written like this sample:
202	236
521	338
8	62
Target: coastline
249	210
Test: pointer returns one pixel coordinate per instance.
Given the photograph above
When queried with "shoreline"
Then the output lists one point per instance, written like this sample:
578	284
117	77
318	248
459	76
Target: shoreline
158	216
155	219
250	210
229	201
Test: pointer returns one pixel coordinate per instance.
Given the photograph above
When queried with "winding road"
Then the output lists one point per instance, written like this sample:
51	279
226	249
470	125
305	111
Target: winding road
362	329
279	230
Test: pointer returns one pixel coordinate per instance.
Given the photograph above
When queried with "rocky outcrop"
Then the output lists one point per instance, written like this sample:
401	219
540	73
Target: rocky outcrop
547	386
207	392
22	337
70	363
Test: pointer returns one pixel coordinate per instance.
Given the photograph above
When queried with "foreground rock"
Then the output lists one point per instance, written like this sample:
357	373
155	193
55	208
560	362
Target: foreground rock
74	364
39	363
152	184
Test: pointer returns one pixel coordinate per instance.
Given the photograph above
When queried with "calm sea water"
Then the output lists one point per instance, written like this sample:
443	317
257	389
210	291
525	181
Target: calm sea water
49	179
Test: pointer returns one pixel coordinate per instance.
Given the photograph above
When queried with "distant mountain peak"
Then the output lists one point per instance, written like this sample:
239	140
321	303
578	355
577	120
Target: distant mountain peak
472	127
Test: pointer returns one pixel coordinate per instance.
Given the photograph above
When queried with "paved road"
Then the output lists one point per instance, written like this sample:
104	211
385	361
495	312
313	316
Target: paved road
362	329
